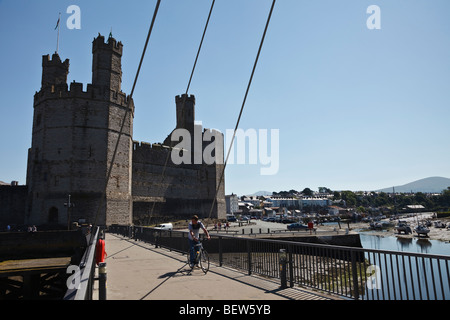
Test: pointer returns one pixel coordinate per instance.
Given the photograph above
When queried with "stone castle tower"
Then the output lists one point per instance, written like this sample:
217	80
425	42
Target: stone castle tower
179	190
74	137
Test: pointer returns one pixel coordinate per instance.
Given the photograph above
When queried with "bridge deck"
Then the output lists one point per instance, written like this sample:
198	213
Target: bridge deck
139	271
33	265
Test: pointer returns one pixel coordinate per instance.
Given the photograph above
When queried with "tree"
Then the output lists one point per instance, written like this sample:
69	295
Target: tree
324	190
361	209
307	192
349	197
445	198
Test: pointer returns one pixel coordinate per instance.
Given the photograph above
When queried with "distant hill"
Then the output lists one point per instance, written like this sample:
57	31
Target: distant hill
261	193
4	183
428	185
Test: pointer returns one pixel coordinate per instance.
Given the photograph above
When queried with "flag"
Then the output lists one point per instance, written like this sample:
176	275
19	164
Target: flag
57	23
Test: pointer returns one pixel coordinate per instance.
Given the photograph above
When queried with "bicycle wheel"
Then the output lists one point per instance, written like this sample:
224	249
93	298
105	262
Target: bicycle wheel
204	261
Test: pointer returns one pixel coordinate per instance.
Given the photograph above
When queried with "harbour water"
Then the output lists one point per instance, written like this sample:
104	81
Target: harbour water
408	277
415	245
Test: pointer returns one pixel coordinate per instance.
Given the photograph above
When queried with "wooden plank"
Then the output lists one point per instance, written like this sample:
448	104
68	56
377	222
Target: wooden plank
28	265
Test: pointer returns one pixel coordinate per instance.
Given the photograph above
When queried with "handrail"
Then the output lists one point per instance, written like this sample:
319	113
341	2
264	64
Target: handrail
83	286
345	271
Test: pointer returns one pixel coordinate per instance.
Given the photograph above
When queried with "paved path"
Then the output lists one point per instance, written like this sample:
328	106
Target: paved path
139	271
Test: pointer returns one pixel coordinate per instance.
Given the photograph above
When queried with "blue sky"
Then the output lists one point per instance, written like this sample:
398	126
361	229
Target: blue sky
356	109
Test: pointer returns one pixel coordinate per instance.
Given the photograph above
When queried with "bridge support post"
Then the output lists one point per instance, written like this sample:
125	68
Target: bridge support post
102	281
283	271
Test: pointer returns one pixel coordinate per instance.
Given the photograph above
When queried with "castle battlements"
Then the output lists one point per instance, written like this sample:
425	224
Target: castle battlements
106	70
55	60
148	153
143	147
156	153
75	132
93	92
179	98
110	44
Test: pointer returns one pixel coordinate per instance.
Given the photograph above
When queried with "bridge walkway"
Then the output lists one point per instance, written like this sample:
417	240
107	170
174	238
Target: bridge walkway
139	271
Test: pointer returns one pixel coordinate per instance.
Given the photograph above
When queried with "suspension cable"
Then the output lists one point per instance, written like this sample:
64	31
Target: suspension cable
242	107
184	100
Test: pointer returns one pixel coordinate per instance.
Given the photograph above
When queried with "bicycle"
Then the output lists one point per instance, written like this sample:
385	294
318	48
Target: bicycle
201	257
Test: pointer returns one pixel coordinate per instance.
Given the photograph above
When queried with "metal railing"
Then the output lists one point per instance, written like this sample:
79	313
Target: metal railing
356	273
82	286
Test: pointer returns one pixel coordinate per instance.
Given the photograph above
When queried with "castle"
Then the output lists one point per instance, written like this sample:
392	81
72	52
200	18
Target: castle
74	138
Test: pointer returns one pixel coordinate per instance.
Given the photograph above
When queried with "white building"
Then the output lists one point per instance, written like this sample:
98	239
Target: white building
297	203
283	202
232	203
314	201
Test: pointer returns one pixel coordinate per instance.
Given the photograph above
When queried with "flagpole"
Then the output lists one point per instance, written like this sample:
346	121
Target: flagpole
57	40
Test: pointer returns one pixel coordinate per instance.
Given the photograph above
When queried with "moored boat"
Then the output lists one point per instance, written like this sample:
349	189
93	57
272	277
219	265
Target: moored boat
421	230
402	226
439	224
375	225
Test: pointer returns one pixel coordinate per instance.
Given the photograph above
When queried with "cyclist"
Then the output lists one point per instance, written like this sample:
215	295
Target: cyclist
193	236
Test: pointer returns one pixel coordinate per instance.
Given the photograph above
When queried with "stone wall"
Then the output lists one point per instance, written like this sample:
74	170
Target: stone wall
38	245
179	190
12	205
74	138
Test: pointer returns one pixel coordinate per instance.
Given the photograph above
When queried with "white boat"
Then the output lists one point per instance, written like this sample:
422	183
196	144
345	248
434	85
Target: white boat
439	224
403	226
375	225
421	230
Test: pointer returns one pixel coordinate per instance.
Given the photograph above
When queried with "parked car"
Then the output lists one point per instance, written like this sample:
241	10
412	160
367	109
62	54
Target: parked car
165	226
297	226
231	219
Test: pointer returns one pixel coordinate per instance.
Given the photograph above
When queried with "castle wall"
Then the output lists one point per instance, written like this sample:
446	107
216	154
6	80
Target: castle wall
184	190
74	138
75	133
69	155
12	205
